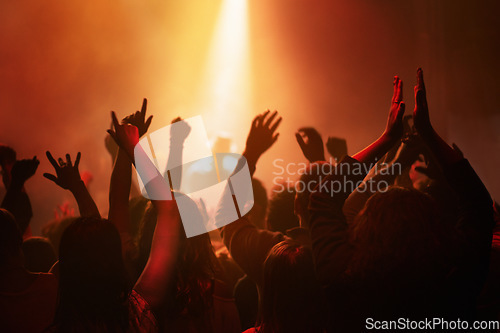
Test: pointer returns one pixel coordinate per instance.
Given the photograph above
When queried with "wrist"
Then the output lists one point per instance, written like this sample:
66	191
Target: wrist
77	187
251	157
16	184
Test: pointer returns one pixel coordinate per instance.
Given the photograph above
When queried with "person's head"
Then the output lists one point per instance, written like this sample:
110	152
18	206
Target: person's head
54	230
281	216
257	214
291	296
311	177
93	286
10	239
397	230
39	254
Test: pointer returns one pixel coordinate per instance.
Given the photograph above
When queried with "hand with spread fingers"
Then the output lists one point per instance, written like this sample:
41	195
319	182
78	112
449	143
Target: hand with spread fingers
262	134
67	175
138	119
125	135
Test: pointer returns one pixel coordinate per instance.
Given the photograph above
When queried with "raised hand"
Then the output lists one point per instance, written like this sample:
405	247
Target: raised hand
262	134
138	119
67	175
394	128
312	146
179	132
126	135
421	118
22	170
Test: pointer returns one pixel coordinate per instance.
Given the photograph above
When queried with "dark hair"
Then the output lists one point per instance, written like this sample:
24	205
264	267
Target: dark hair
93	287
291	296
398	231
191	292
281	216
10	237
39	254
311	176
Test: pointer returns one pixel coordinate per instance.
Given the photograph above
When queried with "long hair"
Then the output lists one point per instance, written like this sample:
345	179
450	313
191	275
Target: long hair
399	232
291	299
191	291
93	286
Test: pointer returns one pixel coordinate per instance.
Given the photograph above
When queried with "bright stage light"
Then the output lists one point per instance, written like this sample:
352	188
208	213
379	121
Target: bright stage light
225	91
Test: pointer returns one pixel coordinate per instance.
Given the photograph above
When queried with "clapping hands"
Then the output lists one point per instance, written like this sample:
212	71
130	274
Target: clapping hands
395	128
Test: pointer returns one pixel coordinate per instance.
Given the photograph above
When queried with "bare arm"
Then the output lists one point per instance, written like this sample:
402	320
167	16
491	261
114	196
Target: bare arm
16	199
159	270
121	180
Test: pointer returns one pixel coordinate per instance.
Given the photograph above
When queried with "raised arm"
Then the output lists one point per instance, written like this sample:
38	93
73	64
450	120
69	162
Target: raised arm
16	199
156	276
328	226
475	204
68	177
444	154
121	180
393	130
248	245
261	137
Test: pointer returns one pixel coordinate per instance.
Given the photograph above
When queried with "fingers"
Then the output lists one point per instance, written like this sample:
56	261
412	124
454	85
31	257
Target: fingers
254	121
68	160
116	124
276	124
420	79
148	122
401	111
270	119
113	135
395	84
275	137
50	177
144	107
300	141
262	117
397	96
77	161
52	160
400	91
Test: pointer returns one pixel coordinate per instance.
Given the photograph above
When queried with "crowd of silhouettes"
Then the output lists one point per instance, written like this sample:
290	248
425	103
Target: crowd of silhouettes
402	229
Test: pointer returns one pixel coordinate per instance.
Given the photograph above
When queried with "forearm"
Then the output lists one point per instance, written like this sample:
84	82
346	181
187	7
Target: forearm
376	150
174	160
86	204
17	202
252	159
119	192
160	268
